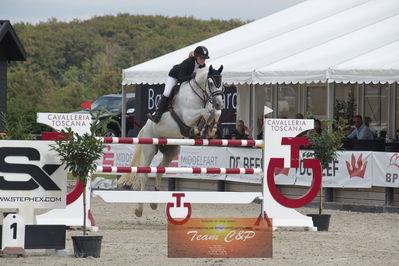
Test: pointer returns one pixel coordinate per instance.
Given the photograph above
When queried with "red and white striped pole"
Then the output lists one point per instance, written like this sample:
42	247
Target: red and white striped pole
178	170
184	142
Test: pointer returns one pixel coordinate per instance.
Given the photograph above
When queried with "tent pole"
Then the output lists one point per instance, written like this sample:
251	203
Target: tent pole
330	103
123	114
253	112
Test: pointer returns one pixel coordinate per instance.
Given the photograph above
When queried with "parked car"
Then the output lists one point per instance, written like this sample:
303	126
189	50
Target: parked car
112	104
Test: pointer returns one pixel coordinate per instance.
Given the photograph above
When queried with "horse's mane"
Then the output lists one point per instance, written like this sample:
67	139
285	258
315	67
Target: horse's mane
202	74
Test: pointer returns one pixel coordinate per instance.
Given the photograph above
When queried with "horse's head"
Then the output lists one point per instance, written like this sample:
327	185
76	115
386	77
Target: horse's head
214	87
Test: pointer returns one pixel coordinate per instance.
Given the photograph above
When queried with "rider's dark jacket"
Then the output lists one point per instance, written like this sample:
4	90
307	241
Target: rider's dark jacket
183	71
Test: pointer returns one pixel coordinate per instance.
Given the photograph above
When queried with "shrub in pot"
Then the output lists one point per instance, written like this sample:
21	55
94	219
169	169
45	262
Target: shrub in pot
325	146
78	153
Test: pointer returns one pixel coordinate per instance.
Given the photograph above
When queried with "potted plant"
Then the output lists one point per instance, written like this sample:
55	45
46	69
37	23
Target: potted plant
325	146
78	153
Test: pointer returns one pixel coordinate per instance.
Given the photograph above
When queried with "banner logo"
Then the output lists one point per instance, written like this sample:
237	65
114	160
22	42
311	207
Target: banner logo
356	169
393	161
41	176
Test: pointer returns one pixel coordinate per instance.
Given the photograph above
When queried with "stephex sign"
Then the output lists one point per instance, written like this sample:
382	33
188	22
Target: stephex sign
31	175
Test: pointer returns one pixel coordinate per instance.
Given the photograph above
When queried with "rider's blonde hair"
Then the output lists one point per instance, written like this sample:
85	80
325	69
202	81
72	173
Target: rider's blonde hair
191	54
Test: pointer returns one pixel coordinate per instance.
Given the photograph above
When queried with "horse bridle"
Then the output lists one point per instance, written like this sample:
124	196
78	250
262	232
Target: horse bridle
217	81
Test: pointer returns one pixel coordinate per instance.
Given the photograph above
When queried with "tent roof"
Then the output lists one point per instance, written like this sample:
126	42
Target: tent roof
340	40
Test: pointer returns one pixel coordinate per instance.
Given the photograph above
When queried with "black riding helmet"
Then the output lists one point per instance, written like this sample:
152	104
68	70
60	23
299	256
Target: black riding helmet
201	51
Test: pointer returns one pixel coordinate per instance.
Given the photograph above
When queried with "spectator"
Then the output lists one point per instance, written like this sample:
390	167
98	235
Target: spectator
260	127
240	132
361	131
317	128
367	122
206	134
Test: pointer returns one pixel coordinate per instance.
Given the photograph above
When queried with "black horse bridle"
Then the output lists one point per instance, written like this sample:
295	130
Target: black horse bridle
217	81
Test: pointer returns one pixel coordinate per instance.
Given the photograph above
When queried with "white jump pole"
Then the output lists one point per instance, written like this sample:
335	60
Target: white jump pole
178	170
183	142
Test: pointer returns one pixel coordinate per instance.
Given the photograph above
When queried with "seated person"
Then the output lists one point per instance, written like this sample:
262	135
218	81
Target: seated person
361	131
240	131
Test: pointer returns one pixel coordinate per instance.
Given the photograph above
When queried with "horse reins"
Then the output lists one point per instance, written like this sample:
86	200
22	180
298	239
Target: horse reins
208	98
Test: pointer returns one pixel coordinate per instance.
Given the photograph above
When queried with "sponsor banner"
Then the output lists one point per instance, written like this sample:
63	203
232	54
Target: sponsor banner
117	155
221	238
202	157
243	158
31	175
386	169
351	169
80	123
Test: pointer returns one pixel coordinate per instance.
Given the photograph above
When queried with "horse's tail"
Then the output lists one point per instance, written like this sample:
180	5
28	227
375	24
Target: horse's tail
132	179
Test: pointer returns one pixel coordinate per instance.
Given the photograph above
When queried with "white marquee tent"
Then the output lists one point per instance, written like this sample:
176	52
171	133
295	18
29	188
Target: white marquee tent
315	41
324	41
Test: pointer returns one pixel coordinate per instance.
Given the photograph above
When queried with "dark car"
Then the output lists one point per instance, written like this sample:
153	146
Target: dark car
112	105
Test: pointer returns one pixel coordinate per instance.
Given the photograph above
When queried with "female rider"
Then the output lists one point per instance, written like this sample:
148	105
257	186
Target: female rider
178	74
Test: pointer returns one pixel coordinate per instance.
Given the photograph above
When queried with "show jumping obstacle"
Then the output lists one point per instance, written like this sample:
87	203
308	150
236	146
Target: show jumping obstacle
190	196
282	216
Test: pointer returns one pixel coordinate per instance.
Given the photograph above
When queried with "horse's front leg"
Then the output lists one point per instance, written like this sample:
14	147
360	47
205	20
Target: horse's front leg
157	187
143	180
213	119
149	152
207	112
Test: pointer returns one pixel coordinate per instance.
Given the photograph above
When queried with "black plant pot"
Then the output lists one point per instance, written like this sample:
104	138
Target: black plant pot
321	221
85	246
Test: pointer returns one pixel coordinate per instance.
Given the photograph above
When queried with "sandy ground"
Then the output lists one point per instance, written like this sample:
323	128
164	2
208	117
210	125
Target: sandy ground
353	239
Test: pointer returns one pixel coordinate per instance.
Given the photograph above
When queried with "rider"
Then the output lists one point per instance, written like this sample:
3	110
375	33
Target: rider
178	74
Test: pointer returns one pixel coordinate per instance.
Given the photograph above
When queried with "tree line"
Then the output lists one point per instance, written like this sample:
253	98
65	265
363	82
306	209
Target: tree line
69	63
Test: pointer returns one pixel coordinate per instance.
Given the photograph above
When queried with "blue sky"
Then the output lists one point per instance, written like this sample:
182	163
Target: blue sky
34	11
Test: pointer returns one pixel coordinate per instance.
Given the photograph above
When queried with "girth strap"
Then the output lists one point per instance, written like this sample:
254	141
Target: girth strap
184	129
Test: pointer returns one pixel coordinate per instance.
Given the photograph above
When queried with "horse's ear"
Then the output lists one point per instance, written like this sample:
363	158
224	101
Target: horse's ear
220	69
210	69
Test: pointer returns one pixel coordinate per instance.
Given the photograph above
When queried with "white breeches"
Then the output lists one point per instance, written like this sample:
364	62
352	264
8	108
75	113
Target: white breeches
169	84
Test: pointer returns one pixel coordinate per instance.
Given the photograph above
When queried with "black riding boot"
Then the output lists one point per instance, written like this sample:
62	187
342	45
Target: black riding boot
156	115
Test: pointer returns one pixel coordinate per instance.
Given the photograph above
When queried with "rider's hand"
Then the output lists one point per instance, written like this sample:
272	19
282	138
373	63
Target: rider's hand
193	75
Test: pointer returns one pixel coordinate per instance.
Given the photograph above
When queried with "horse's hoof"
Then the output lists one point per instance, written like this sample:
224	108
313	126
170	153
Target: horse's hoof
153	206
138	212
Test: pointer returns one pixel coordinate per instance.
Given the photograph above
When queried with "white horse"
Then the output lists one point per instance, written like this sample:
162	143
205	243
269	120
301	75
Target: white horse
198	102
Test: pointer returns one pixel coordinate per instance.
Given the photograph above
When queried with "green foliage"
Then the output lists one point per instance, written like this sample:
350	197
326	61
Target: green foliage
79	152
325	148
325	145
69	63
345	109
17	126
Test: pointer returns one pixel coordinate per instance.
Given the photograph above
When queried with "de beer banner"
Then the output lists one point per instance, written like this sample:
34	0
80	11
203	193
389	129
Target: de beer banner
352	169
